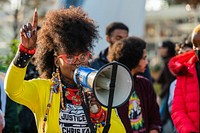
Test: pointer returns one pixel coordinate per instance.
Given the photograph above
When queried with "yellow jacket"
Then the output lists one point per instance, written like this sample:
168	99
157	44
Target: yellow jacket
35	95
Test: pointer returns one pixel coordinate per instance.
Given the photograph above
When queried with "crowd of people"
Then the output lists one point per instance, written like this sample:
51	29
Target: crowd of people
40	80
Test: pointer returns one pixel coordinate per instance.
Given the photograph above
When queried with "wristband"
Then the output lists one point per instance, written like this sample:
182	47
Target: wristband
25	50
23	56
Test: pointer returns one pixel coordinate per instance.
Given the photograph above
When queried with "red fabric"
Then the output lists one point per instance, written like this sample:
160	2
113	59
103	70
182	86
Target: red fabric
98	117
185	105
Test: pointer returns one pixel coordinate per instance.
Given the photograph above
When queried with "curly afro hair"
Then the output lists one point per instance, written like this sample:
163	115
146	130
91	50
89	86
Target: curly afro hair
68	29
129	51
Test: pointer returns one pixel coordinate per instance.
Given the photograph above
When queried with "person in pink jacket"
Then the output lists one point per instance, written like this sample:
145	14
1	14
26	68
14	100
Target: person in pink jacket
185	105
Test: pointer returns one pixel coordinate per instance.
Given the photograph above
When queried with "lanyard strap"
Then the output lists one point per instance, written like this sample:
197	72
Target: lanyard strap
85	105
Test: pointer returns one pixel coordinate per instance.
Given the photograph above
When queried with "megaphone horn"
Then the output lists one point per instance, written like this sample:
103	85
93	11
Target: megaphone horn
99	82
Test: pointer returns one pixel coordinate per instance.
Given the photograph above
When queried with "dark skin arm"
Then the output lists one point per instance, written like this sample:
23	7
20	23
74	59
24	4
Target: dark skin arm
30	42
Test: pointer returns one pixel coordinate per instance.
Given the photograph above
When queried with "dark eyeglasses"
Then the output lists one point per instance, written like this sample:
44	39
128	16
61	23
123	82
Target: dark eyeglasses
71	59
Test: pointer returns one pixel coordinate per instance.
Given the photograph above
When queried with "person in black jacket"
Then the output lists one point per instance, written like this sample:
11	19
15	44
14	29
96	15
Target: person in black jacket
115	31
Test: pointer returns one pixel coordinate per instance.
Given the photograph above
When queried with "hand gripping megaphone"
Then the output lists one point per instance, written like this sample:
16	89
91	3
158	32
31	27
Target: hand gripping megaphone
101	81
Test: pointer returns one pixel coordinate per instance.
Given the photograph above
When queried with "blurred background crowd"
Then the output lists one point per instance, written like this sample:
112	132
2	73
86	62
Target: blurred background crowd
166	26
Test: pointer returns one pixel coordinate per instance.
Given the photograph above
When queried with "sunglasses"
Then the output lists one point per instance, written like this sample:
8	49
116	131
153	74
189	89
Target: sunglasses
71	59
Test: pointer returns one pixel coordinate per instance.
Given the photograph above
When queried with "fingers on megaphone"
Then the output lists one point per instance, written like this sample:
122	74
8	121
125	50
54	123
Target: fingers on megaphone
97	114
98	117
94	105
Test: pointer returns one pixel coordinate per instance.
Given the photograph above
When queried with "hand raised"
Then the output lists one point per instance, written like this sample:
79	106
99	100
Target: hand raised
28	33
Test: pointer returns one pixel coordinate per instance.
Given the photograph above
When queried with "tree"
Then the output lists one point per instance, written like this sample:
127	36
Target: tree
12	18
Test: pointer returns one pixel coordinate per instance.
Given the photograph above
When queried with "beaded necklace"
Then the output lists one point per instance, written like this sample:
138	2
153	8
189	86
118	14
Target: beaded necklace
56	86
69	91
72	95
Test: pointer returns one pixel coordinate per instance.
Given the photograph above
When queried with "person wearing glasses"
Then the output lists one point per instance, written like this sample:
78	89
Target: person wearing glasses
61	45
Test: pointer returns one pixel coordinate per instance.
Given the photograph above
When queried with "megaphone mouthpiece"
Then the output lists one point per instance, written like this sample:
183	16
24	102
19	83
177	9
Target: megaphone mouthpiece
103	82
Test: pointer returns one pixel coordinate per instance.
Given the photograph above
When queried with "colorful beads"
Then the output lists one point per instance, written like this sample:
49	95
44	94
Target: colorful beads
25	50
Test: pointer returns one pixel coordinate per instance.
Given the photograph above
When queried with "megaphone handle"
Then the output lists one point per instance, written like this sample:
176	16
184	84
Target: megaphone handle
85	106
111	95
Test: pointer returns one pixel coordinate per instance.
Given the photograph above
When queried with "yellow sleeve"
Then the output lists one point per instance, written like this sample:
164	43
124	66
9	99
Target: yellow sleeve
116	124
19	90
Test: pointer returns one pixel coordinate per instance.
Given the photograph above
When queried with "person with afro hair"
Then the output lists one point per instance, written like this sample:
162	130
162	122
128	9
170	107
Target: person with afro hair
140	114
63	43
